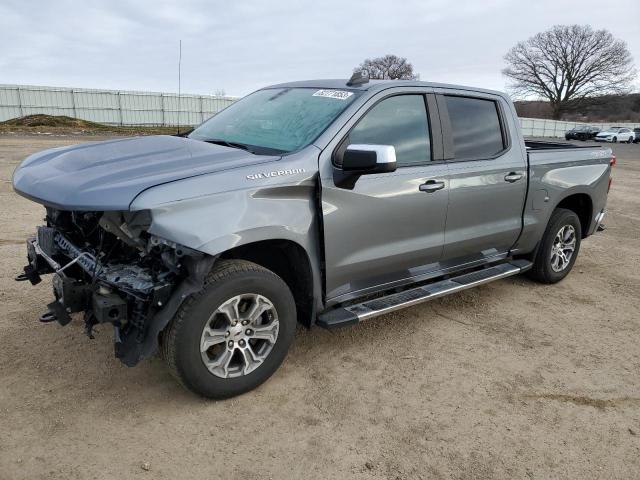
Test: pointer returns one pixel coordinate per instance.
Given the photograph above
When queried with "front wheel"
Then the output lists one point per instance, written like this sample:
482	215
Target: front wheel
559	247
614	140
232	335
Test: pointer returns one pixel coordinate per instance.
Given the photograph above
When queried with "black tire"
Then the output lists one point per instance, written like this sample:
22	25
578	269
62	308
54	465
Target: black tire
542	270
630	140
614	140
180	341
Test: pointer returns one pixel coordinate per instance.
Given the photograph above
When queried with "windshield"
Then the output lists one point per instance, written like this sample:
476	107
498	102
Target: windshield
275	120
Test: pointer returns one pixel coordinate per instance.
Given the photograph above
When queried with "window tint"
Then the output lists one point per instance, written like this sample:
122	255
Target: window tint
475	127
400	121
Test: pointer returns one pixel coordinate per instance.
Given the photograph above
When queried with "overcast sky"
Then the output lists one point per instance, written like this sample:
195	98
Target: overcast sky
243	45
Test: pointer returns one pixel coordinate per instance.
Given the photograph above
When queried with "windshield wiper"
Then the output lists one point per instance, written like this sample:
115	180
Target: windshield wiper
219	141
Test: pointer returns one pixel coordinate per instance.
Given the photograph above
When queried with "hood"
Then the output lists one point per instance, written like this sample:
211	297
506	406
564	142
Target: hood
607	133
109	175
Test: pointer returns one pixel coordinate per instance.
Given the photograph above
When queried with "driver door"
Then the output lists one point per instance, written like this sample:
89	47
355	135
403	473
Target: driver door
388	228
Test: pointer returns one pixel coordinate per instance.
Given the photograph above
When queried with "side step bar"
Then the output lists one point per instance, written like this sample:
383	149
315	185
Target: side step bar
344	316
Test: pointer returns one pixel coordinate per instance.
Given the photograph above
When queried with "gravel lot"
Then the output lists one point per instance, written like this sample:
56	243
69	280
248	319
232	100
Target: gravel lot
509	380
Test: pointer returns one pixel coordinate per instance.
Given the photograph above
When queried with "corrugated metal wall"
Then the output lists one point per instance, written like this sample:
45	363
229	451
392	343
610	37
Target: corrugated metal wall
112	107
536	127
115	107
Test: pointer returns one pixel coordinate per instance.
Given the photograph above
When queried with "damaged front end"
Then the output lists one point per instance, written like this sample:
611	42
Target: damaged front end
107	265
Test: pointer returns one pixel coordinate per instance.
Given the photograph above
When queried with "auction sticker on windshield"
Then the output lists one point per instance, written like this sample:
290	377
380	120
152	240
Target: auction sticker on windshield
338	94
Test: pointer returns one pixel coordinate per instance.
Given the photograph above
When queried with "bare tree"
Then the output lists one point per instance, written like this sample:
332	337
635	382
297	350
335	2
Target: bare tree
568	64
389	67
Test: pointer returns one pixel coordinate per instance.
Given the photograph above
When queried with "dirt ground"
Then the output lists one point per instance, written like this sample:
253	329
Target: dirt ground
509	380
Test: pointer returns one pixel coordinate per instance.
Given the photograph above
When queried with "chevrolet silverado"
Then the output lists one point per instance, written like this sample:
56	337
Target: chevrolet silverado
324	202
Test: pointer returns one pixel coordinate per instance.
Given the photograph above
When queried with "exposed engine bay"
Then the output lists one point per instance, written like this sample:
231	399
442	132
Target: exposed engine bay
107	266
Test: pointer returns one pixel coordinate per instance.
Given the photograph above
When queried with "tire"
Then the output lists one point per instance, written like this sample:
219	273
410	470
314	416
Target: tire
231	285
544	270
630	140
614	140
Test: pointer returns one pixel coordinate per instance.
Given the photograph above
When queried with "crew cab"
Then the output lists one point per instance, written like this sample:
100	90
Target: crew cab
324	202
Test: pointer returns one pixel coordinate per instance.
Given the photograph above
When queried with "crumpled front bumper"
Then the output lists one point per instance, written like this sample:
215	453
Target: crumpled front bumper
71	294
138	306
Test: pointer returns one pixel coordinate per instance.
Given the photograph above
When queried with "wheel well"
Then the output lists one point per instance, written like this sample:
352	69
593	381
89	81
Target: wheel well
581	205
290	262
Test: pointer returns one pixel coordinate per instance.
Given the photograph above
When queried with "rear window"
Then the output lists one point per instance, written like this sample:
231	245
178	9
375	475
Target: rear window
476	129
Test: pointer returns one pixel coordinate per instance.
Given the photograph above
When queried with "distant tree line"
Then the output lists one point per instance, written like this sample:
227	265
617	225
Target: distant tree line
607	108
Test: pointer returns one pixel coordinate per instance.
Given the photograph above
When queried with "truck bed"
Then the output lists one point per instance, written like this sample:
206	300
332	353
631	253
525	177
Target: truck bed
533	145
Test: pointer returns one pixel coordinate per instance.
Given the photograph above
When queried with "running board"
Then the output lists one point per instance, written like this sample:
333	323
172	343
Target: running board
344	316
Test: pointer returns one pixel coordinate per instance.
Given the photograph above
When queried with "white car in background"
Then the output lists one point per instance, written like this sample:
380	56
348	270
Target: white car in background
616	134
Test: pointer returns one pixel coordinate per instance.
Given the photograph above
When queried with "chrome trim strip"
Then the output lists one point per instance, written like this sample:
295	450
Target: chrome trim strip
449	287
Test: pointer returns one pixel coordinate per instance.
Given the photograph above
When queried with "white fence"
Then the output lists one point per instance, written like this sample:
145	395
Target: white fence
536	127
115	107
110	107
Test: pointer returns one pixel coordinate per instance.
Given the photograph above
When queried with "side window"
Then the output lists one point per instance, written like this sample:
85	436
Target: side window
400	121
475	125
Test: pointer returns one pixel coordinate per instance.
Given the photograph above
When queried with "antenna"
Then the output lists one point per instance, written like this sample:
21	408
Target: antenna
179	81
358	78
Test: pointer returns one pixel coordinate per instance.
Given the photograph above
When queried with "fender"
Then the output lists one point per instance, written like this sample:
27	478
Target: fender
550	184
208	215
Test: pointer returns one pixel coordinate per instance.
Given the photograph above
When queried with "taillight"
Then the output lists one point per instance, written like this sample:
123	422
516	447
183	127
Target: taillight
612	163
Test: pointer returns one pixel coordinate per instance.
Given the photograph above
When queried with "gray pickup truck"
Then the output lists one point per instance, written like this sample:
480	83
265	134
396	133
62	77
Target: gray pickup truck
323	202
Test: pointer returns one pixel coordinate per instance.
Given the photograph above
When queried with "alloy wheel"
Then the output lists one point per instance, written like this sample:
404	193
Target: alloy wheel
564	246
239	335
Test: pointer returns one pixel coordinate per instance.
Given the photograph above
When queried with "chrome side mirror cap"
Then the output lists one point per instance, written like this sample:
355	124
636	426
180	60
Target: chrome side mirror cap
366	159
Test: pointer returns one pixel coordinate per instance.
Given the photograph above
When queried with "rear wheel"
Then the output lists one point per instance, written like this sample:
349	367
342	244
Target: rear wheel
232	335
559	248
630	140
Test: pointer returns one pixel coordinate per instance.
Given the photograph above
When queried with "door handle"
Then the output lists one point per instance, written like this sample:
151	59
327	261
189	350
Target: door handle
431	186
512	177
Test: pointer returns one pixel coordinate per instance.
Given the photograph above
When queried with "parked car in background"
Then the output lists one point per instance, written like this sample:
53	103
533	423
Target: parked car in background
582	132
636	132
616	134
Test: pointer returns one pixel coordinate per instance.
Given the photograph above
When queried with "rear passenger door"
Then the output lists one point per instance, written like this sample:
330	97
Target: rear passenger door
487	177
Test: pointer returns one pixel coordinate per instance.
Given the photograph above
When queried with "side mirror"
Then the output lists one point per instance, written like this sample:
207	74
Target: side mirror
362	159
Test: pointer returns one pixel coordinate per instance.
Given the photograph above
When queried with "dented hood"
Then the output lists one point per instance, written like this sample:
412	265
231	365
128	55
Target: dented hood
109	175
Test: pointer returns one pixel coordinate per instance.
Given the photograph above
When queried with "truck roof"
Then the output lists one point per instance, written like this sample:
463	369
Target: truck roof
376	85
